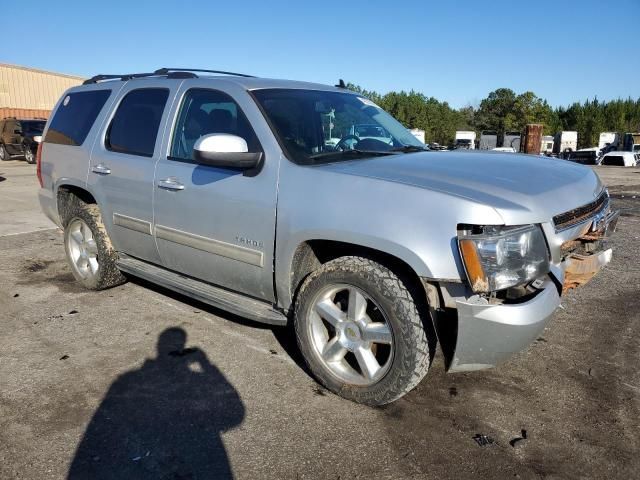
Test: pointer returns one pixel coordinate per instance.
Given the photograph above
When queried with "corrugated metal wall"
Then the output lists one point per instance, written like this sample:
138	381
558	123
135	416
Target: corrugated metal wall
30	89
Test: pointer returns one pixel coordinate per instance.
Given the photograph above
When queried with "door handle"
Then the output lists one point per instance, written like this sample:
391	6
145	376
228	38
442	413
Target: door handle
101	169
170	183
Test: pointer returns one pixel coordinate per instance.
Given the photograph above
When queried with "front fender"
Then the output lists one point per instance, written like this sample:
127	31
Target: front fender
416	225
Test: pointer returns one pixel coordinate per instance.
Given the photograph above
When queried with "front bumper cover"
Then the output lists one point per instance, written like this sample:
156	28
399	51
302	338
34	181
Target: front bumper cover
489	333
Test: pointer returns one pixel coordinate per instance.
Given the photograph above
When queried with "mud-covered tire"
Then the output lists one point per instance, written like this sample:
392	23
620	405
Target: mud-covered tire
413	345
107	274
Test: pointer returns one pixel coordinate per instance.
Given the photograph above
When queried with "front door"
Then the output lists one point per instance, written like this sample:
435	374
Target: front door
123	162
216	224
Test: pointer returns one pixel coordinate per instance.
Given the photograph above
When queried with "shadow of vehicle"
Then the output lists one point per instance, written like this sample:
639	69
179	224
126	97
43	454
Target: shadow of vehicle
163	420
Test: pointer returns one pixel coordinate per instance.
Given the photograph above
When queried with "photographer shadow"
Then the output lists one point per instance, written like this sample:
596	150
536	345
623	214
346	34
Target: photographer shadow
163	420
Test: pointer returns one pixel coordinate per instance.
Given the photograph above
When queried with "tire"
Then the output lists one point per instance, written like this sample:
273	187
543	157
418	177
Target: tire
389	302
4	155
88	247
28	155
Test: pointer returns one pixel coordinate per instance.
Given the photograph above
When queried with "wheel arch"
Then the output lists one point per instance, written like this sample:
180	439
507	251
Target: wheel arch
67	194
310	254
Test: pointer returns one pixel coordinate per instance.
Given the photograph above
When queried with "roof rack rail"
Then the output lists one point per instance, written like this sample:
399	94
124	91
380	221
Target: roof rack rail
162	72
165	71
129	76
126	76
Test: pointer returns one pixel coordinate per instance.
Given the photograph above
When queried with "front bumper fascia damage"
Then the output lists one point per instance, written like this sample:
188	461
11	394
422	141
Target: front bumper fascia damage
489	333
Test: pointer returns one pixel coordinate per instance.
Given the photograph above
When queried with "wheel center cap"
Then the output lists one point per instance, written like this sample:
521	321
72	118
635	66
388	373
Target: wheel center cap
351	332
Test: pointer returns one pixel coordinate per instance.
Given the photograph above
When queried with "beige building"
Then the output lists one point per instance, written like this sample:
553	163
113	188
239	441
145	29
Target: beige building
28	92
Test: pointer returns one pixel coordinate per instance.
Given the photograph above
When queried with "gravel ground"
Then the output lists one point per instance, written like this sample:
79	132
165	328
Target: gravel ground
137	382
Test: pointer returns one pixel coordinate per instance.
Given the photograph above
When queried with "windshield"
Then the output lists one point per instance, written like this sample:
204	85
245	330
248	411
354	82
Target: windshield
316	126
32	127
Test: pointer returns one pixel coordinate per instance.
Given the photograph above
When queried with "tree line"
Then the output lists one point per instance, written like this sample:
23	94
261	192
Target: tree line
503	110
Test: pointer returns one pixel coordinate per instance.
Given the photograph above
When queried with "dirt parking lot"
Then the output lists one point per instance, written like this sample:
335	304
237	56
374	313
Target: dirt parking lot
137	382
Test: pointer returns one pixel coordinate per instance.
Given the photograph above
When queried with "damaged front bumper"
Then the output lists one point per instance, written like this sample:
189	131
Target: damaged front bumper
488	333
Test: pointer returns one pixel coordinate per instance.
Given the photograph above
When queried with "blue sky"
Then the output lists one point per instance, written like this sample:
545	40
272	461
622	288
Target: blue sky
457	51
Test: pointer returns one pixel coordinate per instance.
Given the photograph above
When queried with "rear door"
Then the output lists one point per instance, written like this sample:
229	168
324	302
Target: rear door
217	224
123	159
12	137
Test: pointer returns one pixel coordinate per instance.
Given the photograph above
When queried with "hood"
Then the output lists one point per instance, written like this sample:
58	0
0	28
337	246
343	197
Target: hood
522	188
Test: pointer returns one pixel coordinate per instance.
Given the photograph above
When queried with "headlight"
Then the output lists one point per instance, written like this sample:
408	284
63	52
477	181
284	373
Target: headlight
37	138
502	257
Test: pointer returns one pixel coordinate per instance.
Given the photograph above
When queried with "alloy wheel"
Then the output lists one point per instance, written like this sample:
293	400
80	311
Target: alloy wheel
351	335
82	248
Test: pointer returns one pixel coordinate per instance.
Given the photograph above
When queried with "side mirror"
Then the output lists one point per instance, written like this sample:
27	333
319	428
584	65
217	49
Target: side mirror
225	150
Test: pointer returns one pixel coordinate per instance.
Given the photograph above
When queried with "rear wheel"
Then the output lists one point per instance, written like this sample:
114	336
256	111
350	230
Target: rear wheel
28	154
88	248
360	331
3	153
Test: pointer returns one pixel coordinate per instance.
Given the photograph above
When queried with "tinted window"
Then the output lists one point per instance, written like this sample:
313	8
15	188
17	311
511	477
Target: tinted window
614	160
135	125
204	112
32	127
75	116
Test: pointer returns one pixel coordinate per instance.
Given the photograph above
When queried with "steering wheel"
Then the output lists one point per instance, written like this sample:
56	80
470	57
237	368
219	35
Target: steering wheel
342	145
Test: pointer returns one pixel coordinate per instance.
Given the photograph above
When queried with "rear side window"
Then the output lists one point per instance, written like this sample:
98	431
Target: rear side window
75	116
135	125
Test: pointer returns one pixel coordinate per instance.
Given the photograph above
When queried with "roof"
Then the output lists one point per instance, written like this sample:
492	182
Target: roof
36	70
261	83
246	81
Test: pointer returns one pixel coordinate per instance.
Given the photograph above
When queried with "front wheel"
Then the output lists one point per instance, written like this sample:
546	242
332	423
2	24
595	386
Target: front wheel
360	331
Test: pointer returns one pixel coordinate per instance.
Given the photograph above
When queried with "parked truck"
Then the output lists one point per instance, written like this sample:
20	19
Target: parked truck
546	145
565	142
609	139
465	140
631	142
512	139
488	140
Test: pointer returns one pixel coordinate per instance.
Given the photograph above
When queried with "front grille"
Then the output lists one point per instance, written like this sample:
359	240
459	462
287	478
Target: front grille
580	214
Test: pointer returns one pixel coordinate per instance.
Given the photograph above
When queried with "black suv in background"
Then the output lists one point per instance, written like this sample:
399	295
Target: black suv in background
19	137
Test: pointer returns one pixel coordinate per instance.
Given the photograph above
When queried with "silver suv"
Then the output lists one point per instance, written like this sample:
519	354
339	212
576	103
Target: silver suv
259	197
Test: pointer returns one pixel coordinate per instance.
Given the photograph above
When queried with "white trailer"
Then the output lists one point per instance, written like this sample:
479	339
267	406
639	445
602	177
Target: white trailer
465	140
418	133
566	142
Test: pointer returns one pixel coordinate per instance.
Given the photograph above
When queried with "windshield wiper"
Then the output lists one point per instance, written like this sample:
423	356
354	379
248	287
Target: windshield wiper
355	152
409	149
